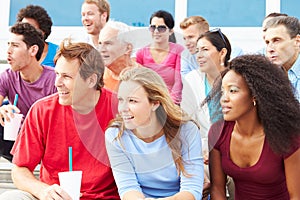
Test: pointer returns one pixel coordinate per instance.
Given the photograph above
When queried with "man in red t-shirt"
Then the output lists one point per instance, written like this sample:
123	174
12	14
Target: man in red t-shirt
76	117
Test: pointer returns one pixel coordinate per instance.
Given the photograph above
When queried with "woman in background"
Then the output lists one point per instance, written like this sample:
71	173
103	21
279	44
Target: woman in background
161	55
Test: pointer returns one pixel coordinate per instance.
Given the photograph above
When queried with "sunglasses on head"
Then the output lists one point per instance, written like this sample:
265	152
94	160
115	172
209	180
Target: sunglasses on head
160	28
218	30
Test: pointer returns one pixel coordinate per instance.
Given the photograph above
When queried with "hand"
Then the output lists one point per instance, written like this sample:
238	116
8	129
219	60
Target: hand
54	192
6	111
206	187
205	157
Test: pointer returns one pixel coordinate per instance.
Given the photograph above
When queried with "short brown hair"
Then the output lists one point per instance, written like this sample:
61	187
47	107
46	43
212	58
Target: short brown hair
102	5
89	59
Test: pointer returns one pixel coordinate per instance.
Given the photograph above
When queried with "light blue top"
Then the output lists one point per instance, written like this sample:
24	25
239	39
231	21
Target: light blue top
294	76
149	167
188	62
49	59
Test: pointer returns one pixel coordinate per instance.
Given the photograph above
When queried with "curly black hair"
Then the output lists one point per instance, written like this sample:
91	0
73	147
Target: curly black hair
31	36
277	107
40	15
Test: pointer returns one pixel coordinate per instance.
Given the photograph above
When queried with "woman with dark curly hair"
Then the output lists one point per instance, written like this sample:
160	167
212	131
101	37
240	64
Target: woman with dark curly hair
38	17
258	142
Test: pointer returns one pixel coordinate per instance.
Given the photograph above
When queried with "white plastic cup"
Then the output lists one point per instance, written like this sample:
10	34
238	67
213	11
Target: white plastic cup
12	127
70	181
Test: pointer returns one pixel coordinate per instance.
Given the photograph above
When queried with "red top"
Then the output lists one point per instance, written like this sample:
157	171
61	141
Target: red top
51	128
264	180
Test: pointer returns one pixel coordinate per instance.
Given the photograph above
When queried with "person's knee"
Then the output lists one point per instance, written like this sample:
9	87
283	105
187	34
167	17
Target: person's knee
16	195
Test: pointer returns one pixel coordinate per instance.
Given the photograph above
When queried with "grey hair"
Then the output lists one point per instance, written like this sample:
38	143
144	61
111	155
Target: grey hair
292	24
123	29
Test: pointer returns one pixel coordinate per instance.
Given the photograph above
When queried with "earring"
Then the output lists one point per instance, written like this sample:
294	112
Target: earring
222	64
254	103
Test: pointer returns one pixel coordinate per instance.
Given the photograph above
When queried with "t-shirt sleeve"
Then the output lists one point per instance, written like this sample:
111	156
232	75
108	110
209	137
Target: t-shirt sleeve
122	168
3	83
177	87
215	135
193	160
293	149
139	56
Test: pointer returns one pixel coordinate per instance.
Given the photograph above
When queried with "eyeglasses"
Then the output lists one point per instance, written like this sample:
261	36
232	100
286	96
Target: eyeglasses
218	30
160	28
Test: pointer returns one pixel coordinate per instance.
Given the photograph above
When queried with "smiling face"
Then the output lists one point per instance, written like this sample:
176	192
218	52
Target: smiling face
208	57
160	37
236	100
134	106
282	50
72	89
190	36
92	19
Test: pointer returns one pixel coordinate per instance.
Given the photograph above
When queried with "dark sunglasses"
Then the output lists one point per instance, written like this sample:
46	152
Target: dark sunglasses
160	28
218	30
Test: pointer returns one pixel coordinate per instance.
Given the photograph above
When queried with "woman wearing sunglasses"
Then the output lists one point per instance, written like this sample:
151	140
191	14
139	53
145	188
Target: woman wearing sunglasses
213	54
161	55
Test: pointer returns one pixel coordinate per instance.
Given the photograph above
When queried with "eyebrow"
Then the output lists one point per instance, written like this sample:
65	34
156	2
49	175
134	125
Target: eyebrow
13	42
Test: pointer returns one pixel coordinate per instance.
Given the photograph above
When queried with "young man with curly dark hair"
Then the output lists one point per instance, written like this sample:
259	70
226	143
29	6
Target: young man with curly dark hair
39	18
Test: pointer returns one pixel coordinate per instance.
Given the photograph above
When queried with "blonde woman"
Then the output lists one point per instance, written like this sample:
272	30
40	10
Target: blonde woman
154	150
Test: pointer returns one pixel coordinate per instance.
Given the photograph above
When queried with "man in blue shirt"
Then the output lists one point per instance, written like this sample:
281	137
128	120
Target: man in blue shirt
282	37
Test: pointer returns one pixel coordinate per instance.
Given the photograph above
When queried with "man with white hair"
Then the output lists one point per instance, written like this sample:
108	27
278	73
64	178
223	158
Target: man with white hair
116	47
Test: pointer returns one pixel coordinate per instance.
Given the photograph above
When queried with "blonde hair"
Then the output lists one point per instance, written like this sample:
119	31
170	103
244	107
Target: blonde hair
202	22
102	5
168	113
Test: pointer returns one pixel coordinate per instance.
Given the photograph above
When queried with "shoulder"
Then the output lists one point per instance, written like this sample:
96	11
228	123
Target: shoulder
218	131
296	67
178	48
107	96
46	103
108	101
143	50
48	69
51	99
48	74
195	74
52	46
194	78
189	129
111	133
8	73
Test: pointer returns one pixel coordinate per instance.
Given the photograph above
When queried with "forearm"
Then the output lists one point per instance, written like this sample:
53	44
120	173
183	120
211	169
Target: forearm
24	179
133	195
217	194
181	195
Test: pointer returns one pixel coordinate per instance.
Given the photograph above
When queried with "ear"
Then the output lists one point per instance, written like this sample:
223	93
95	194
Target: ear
92	80
103	17
298	41
171	31
223	54
33	50
155	106
129	48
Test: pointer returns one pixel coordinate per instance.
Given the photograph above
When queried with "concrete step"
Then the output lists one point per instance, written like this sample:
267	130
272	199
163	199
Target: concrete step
6	182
